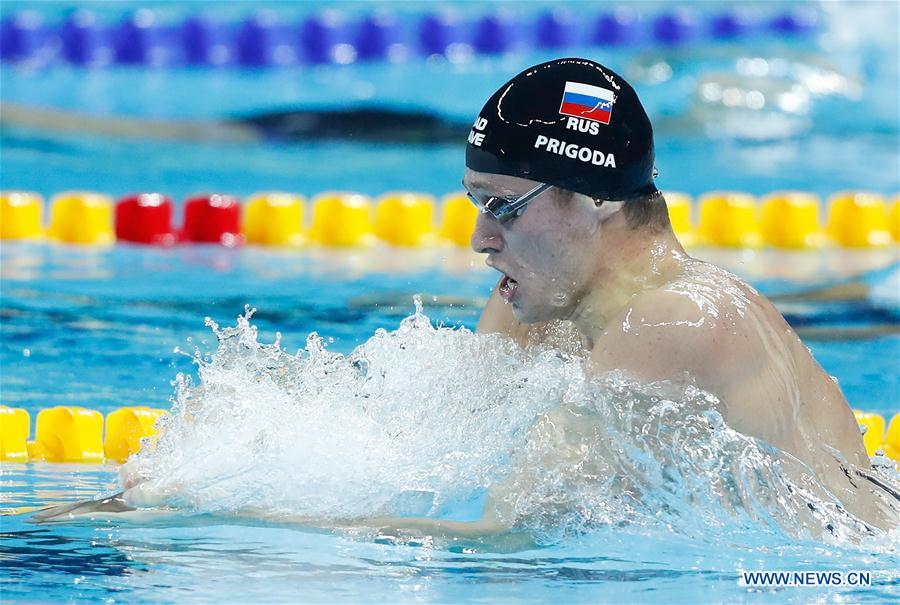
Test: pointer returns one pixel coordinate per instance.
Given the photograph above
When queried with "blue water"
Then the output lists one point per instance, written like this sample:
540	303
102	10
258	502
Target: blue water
211	560
208	558
98	328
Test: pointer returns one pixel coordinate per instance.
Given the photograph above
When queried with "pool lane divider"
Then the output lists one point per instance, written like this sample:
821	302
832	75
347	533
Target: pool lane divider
728	219
76	434
875	438
269	39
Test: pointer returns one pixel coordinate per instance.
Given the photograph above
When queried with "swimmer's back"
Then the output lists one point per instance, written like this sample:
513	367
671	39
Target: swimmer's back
737	345
707	325
733	341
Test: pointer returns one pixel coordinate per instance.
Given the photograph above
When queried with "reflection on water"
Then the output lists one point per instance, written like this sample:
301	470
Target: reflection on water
42	551
214	560
41	263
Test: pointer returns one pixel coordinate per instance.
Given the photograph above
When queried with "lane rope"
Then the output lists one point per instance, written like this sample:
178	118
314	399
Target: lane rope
729	219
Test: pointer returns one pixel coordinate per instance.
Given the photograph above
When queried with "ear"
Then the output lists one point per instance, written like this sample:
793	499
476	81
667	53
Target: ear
606	209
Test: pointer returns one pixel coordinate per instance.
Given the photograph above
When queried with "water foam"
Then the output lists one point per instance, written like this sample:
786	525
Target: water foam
422	417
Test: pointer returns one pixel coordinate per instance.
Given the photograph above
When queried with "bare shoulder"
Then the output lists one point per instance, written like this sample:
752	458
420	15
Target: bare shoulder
712	289
689	326
705	296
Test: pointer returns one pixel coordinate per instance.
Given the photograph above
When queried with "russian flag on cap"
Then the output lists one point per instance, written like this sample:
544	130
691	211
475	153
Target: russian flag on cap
586	101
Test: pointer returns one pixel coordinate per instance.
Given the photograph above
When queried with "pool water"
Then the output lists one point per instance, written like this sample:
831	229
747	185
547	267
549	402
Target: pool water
100	327
211	559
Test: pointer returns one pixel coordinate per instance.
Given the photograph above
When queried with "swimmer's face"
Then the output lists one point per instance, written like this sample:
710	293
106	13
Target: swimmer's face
547	255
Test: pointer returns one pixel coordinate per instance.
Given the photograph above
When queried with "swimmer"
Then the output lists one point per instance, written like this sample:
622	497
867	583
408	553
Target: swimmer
560	163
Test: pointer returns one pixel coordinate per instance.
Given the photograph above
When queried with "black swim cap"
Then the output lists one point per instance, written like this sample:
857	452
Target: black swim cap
571	123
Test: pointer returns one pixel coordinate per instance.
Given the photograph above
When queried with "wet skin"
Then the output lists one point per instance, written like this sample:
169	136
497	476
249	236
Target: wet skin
640	304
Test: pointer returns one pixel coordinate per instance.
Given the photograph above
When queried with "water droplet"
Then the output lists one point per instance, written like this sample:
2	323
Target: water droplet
560	299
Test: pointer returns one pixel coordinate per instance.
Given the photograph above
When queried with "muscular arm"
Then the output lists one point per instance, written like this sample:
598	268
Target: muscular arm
140	504
487	525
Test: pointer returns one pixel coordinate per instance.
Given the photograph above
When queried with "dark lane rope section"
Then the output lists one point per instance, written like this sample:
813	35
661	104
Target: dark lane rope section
362	124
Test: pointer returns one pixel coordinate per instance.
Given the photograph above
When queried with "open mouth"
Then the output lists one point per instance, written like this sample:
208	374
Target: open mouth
508	287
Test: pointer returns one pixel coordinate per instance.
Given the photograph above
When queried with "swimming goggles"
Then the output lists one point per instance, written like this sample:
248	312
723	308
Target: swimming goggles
505	209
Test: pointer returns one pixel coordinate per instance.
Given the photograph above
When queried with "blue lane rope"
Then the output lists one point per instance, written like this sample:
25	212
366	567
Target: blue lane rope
264	39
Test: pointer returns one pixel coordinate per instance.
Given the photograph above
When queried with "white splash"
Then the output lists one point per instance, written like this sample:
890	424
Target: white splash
417	419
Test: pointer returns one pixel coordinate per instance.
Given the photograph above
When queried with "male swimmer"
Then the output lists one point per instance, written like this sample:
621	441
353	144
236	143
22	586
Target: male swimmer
560	163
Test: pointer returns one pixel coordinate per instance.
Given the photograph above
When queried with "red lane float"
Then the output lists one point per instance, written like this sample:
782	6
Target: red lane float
785	219
145	218
213	219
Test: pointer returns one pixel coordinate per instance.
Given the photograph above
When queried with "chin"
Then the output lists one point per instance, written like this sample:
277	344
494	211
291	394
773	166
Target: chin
529	315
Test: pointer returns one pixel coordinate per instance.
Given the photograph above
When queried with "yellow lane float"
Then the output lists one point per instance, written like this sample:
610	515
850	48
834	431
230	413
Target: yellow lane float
790	219
82	217
274	219
459	216
858	220
125	428
729	219
75	434
894	220
679	205
15	426
874	435
342	219
21	215
69	434
892	439
405	219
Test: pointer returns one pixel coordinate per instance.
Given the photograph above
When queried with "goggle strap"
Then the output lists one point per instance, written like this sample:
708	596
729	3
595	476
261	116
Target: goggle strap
526	197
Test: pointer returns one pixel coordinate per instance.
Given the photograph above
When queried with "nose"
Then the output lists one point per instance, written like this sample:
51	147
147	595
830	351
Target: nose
487	237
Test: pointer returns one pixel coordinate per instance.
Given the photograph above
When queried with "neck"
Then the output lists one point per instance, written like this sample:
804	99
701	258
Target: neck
635	262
